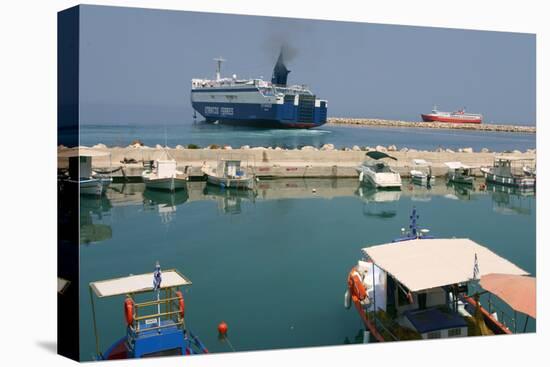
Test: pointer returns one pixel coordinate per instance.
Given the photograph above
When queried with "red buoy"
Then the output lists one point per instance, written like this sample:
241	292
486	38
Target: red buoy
222	328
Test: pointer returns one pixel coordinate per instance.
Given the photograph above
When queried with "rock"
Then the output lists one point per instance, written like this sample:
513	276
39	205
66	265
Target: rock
327	147
180	147
412	150
515	151
440	149
346	149
308	147
485	150
245	147
227	147
99	146
531	151
392	148
449	150
355	148
158	146
381	148
258	148
278	148
136	142
404	150
467	150
367	149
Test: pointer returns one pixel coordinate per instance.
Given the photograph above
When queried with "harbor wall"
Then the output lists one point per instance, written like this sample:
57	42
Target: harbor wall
267	162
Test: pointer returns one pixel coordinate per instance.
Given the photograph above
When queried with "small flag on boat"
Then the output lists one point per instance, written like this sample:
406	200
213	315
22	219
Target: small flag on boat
157	277
476	268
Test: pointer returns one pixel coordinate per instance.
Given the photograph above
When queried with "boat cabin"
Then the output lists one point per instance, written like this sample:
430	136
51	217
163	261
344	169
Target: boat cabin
230	168
155	325
420	286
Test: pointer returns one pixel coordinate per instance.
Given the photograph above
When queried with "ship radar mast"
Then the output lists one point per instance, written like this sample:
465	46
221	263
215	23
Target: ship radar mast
219	61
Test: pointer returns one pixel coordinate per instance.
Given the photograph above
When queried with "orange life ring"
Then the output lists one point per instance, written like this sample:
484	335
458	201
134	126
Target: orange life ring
355	285
181	304
129	311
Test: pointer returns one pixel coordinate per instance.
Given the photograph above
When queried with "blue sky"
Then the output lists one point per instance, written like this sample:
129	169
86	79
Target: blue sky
136	65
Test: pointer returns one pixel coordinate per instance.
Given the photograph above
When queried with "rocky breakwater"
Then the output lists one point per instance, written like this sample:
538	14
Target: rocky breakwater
430	125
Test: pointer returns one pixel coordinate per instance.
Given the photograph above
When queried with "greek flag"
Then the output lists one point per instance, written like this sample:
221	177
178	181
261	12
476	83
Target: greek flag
157	277
476	268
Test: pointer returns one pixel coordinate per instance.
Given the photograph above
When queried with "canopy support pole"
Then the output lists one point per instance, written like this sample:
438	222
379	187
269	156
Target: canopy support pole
98	353
525	325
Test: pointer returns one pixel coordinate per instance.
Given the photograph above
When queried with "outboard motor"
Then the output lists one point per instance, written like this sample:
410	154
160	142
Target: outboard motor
280	72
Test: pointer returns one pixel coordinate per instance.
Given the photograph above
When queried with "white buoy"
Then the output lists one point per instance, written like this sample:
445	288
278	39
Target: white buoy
347	299
314	190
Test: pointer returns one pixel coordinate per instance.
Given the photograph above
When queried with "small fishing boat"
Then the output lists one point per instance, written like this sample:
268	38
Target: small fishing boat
229	174
374	171
460	173
420	287
421	173
510	171
82	175
155	326
163	175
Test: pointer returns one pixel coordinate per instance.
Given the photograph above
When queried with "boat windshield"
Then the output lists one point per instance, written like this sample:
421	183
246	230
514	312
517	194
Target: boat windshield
378	167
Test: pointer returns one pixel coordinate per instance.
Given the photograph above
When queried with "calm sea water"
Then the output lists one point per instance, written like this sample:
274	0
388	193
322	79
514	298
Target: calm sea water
273	264
203	134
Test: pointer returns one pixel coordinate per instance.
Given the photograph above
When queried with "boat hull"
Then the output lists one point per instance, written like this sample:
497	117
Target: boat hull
460	179
264	115
387	180
231	183
454	120
91	187
165	184
519	182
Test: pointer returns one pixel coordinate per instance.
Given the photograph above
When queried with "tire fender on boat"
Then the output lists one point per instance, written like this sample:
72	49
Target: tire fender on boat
129	311
361	174
181	303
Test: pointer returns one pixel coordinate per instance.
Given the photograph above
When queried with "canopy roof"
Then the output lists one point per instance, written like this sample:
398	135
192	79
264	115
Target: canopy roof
457	165
422	264
513	158
81	152
374	154
137	283
517	291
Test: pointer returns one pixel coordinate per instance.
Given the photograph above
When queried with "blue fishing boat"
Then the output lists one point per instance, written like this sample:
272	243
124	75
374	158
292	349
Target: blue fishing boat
155	325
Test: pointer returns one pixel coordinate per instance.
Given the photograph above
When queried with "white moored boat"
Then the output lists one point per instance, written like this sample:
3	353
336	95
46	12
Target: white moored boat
163	175
229	174
422	172
377	173
81	174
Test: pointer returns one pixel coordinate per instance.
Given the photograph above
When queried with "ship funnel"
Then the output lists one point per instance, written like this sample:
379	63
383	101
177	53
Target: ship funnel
219	61
280	72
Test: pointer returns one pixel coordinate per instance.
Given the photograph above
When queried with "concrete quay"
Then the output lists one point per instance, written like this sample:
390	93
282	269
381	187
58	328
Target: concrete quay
307	162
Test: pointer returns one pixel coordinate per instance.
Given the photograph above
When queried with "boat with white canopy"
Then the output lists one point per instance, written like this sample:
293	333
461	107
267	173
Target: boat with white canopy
511	171
154	327
163	174
460	173
419	287
422	172
229	173
81	173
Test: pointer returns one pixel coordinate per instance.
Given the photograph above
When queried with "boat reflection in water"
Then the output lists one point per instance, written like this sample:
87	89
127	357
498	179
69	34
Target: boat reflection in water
377	203
229	200
511	200
164	202
94	211
460	191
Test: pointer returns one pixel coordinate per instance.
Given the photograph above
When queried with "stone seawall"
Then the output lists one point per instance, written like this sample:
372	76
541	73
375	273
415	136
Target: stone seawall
267	162
430	125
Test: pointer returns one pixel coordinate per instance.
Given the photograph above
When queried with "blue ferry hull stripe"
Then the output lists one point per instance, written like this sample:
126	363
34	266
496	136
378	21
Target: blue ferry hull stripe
286	114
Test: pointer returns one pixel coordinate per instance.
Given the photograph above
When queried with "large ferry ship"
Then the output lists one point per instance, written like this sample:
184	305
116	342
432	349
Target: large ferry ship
459	116
256	102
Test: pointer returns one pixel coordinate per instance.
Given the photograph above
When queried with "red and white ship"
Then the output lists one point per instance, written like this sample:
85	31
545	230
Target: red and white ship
458	117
